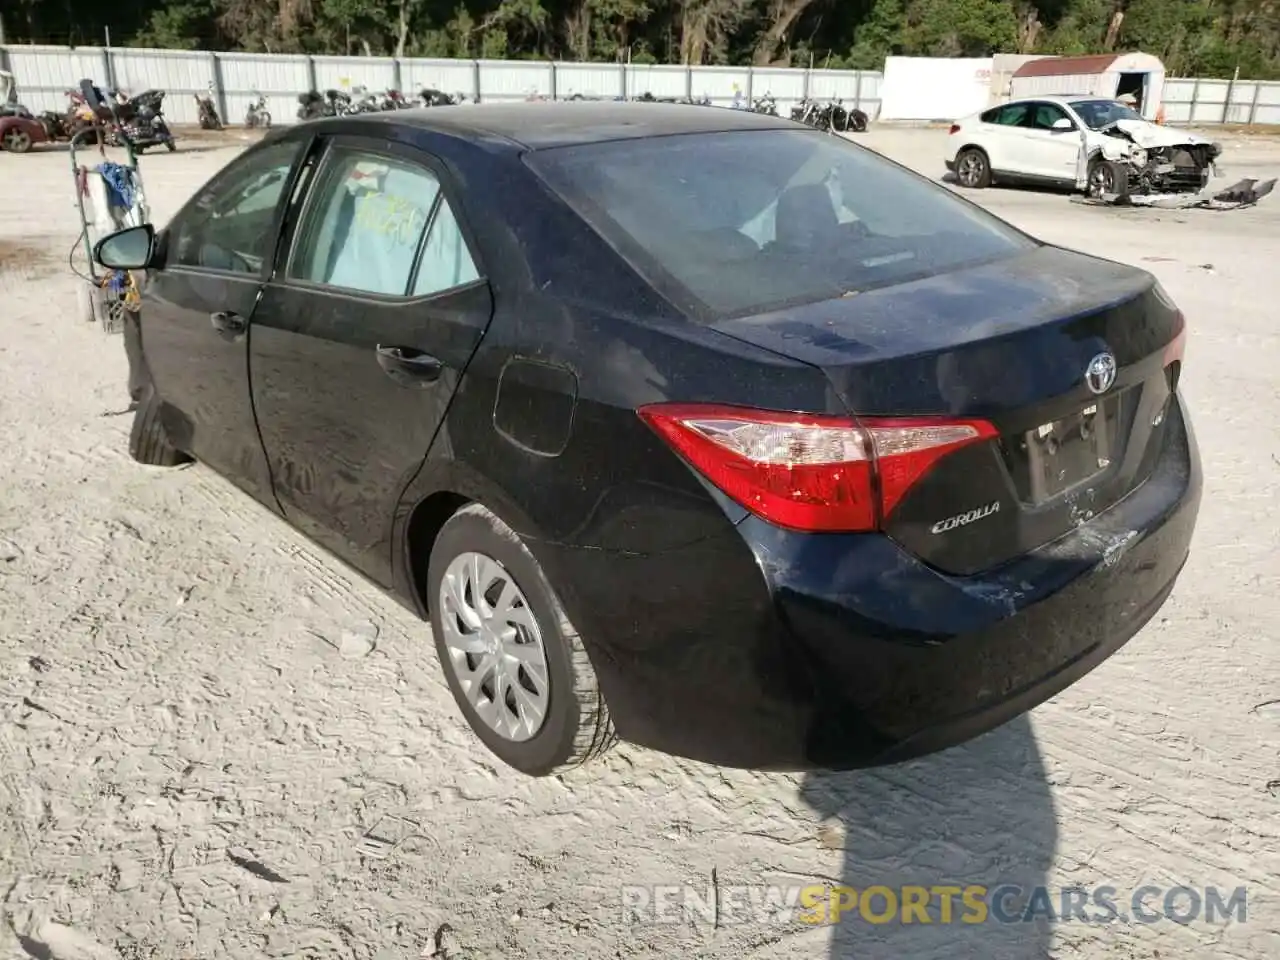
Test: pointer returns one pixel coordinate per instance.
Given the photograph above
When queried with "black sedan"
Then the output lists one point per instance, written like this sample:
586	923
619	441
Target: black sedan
697	425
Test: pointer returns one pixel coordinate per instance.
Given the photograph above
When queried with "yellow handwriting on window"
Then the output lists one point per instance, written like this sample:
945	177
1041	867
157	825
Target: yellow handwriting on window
396	218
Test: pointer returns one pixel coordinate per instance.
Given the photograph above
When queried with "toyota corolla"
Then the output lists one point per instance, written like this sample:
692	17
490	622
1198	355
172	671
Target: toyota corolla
696	425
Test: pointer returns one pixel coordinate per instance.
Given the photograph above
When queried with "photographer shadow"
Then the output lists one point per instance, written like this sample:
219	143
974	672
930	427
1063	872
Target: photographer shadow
980	814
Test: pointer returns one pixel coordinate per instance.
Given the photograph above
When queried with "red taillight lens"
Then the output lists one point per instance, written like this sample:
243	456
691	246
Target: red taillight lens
955	128
811	473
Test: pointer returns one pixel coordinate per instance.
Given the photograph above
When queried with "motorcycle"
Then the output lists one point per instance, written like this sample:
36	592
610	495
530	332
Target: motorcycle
832	116
143	123
362	101
431	97
394	100
338	103
138	120
257	115
766	105
208	110
312	106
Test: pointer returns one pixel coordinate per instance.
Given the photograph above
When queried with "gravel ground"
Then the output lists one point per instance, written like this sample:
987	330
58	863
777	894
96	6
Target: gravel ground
216	741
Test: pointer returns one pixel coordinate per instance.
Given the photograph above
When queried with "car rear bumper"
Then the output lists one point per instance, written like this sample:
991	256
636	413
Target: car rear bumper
951	165
843	651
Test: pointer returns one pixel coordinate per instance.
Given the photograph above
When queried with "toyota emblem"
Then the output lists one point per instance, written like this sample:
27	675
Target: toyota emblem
1100	374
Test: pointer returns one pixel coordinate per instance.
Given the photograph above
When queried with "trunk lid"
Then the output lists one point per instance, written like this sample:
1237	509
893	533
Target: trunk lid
1011	342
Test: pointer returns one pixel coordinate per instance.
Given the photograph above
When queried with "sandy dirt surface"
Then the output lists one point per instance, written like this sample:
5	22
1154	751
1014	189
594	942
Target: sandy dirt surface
216	741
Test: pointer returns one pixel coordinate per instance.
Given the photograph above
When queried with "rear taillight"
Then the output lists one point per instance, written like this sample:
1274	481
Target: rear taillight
806	472
955	128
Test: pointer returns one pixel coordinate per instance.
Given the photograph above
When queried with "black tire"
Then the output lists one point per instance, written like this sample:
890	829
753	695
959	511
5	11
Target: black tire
171	145
148	442
89	297
1108	177
973	169
576	727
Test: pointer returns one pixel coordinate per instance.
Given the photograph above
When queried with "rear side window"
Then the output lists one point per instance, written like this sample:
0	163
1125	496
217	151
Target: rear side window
1012	115
365	224
727	224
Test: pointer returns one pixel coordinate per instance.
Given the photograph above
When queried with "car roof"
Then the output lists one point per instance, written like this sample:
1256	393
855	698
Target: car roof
1054	98
543	125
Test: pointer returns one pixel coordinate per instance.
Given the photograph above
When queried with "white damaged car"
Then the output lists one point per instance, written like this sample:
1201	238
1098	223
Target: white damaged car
1100	147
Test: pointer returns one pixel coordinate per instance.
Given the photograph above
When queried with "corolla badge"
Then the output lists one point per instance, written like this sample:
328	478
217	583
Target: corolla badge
966	518
1100	374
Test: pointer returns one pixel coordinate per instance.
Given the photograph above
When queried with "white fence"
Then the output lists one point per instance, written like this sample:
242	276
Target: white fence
44	74
1221	101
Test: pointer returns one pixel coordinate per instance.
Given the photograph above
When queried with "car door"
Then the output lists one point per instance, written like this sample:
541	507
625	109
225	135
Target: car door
359	341
215	255
1005	137
1051	153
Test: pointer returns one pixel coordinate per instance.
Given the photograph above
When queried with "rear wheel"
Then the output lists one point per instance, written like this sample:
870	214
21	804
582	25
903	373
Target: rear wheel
17	140
973	169
515	664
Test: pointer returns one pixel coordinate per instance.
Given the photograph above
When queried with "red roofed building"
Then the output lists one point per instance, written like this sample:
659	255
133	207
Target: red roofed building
1111	75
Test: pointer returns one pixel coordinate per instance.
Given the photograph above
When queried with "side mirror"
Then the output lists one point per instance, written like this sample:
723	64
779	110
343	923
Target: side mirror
129	249
1062	123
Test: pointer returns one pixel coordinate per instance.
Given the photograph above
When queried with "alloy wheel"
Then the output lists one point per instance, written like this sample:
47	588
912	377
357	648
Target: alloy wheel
1102	179
970	172
495	646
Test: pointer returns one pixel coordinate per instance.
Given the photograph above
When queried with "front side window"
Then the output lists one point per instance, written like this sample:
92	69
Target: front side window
728	224
231	224
1045	115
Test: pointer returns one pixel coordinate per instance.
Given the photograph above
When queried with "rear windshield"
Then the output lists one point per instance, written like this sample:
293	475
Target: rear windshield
728	224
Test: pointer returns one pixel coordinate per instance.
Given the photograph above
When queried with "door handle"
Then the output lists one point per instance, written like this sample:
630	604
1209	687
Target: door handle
409	367
228	324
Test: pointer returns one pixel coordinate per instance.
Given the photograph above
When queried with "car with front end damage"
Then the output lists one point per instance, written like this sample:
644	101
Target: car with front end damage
1102	148
1125	155
698	426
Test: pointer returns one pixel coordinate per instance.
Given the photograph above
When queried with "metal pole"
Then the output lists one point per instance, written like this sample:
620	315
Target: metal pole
1195	101
857	92
219	91
1231	87
108	71
1253	107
